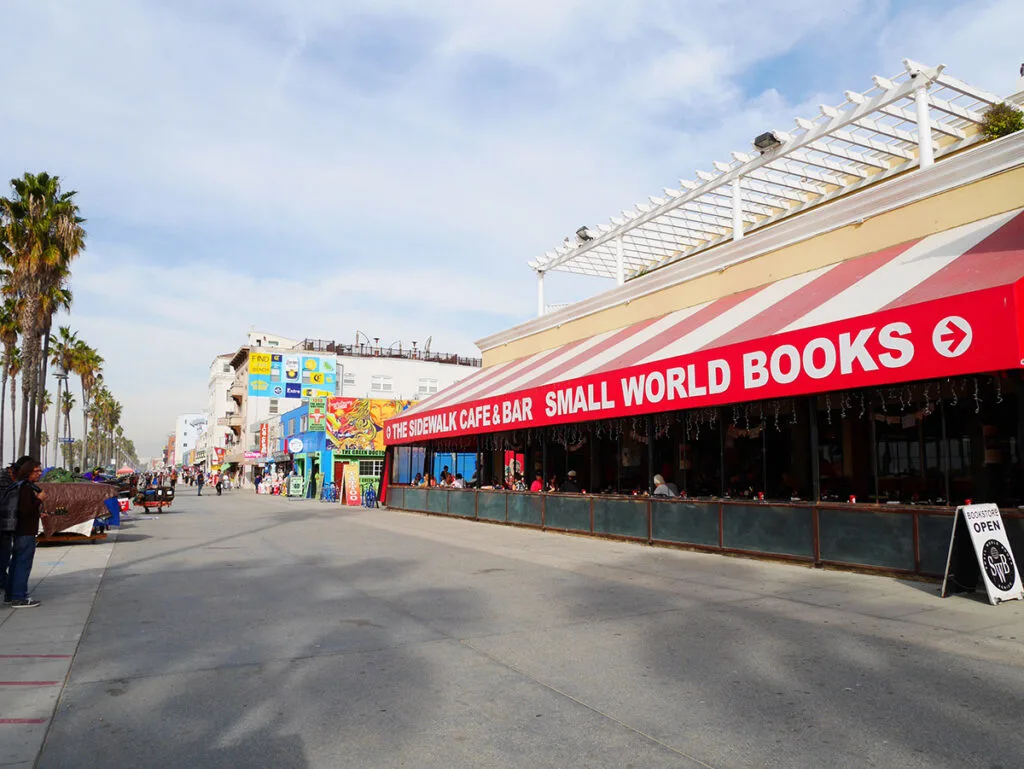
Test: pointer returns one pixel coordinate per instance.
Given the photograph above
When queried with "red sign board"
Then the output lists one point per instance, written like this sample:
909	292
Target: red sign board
265	439
970	333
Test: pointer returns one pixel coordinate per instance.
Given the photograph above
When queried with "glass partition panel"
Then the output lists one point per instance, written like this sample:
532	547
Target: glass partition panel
396	497
491	505
525	508
437	500
567	511
769	529
416	499
462	502
872	539
621	517
694	523
933	535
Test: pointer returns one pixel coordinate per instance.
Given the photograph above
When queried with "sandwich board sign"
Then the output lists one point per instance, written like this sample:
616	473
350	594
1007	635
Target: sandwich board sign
979	547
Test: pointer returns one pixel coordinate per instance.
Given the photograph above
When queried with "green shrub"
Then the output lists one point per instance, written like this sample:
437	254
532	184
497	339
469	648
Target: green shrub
1001	119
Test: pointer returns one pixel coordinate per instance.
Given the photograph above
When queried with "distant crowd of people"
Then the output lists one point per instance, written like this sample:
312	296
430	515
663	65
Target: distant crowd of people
190	476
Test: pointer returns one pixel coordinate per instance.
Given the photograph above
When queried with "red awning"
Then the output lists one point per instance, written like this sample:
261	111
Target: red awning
945	305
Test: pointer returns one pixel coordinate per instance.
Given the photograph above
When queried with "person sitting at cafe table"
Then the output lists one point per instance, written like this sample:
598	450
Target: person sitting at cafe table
570	487
538	483
418	480
661	489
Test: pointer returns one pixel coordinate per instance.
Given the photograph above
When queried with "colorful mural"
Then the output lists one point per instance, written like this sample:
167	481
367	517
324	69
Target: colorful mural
357	424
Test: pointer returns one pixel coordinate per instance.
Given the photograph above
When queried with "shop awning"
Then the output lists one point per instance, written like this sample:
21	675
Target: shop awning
946	305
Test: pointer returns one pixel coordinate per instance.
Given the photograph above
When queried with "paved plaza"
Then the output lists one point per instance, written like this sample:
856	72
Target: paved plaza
245	631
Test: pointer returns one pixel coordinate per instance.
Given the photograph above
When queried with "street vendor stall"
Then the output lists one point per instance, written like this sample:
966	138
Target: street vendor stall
74	511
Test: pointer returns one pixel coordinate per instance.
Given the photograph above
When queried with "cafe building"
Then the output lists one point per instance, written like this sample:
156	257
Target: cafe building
819	344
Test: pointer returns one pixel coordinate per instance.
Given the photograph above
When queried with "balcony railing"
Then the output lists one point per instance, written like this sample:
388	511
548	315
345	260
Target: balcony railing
231	420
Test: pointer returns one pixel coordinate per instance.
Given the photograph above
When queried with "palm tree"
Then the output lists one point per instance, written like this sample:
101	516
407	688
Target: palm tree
9	340
13	362
67	403
44	405
87	364
59	297
42	234
62	355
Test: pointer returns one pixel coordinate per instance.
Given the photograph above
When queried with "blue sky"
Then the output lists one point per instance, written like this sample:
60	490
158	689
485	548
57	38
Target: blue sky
315	168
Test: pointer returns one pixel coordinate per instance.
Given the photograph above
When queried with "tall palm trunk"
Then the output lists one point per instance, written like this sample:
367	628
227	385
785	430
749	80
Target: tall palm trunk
29	319
40	394
85	427
55	440
3	409
14	415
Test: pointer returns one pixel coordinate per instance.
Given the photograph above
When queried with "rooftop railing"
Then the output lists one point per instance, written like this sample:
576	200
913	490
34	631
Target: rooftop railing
393	351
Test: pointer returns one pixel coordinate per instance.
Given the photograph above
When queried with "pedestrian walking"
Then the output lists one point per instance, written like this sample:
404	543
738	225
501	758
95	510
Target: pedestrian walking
23	550
218	483
199	483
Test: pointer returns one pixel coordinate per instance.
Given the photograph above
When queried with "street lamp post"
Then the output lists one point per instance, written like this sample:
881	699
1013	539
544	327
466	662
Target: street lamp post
61	375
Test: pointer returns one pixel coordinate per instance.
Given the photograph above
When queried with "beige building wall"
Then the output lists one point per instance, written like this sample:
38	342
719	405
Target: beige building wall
987	197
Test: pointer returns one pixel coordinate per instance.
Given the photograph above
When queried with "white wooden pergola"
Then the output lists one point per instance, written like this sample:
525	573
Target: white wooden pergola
901	123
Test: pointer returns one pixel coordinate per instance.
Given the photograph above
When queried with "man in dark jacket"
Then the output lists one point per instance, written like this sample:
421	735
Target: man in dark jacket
7	476
570	487
23	546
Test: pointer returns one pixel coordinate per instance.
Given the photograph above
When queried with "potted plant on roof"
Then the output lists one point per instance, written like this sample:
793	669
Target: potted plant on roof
1001	120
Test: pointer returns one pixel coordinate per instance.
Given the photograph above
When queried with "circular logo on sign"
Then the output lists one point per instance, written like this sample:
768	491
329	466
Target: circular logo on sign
295	445
998	564
952	336
387	432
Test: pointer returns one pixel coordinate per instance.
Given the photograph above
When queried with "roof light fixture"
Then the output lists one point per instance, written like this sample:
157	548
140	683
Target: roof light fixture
767	141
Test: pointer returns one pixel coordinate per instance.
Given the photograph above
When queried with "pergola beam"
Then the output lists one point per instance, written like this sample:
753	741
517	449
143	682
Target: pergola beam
864	140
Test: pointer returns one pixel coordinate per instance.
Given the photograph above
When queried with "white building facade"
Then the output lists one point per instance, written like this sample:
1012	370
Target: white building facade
187	429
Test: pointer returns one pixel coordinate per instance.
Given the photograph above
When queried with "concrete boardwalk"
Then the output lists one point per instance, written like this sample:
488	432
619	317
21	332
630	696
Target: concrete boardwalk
246	631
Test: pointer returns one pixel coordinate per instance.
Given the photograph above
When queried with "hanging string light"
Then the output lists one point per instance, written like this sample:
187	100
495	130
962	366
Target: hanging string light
828	407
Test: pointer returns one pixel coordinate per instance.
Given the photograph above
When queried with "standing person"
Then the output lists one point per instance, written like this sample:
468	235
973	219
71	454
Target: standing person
174	478
30	512
199	483
7	532
218	484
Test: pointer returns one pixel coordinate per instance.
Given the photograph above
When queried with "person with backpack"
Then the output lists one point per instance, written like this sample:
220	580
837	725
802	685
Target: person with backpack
7	525
200	480
22	505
